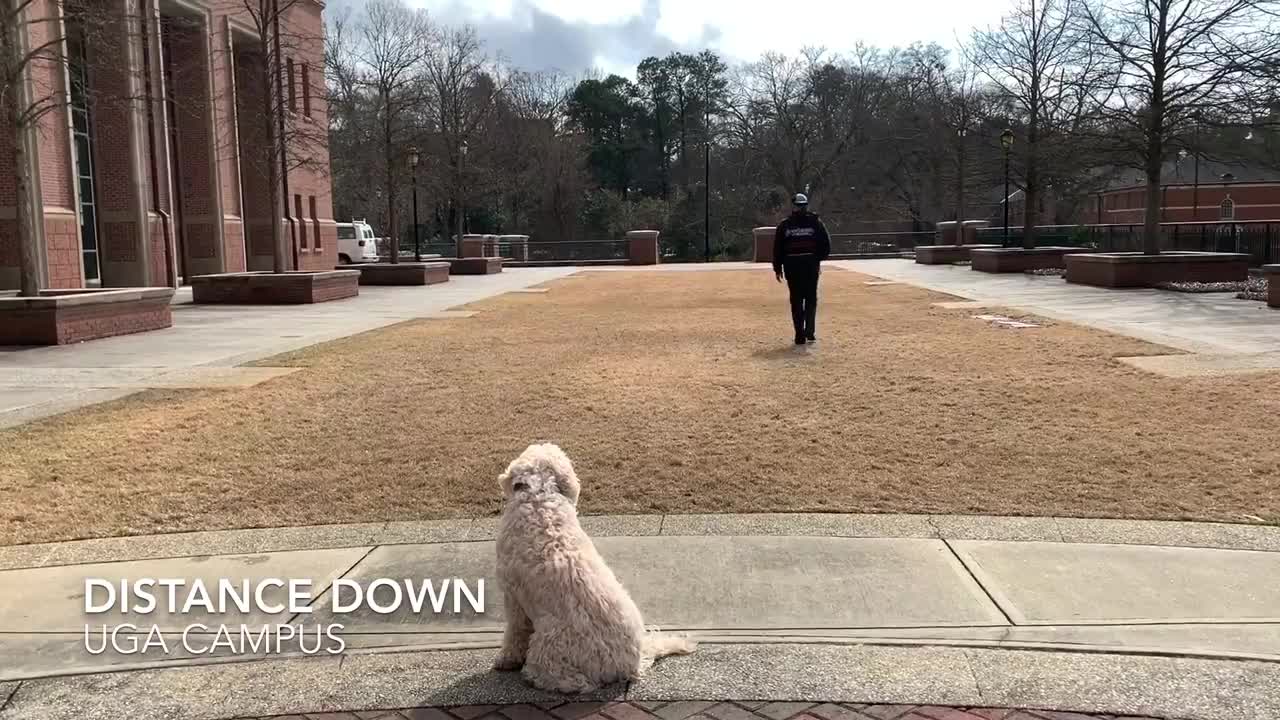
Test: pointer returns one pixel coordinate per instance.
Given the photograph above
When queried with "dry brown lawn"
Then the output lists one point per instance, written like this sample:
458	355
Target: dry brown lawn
673	392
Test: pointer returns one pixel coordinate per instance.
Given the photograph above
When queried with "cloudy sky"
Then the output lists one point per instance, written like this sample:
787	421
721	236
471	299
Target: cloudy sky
613	35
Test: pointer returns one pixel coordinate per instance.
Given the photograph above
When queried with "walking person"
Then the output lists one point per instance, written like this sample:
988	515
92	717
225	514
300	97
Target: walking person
799	247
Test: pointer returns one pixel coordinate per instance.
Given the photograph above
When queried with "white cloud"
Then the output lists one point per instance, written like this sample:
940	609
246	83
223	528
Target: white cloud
617	34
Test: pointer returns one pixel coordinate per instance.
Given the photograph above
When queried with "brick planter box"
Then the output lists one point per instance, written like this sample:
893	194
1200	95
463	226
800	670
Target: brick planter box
1272	274
1138	270
1009	260
404	257
473	246
762	238
266	288
475	266
642	247
59	317
403	273
945	254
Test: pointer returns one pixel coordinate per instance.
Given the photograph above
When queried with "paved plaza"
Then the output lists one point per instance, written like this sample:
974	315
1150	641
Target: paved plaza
1120	617
800	616
1206	323
208	342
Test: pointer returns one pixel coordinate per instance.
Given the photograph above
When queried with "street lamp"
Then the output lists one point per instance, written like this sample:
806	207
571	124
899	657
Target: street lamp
462	203
1006	142
961	132
413	175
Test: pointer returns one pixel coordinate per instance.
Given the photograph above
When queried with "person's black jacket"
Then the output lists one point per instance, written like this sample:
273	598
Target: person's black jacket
802	234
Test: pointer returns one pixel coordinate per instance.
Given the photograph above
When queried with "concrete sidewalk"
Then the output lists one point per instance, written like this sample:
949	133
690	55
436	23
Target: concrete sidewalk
206	341
920	609
1210	323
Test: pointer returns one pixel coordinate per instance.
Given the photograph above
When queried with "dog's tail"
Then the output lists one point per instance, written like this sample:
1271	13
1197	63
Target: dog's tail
659	645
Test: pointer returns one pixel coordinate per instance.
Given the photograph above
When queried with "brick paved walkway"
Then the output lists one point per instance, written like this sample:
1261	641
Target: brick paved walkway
703	711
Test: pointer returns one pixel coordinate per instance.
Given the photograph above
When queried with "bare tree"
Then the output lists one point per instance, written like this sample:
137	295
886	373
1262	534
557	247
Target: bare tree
801	117
965	105
384	58
1176	60
542	95
464	83
1037	60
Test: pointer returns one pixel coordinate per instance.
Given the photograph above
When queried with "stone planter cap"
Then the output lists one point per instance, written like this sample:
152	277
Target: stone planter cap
1042	250
92	296
1168	256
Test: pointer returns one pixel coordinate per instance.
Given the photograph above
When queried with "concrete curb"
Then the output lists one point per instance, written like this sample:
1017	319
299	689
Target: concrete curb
1113	684
946	527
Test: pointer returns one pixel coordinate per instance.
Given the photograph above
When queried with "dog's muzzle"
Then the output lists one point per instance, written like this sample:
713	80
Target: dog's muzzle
518	487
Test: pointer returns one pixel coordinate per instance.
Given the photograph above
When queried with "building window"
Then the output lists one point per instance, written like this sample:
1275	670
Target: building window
293	88
82	134
315	221
306	89
302	225
1227	210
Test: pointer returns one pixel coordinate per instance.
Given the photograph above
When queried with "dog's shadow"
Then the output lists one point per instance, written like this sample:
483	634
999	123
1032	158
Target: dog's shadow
490	687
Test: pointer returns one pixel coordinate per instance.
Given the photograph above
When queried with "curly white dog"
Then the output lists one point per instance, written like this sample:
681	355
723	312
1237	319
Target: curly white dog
570	624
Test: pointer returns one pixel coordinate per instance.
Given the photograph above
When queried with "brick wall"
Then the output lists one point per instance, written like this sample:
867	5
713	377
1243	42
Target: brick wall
9	259
62	242
303	43
233	245
159	257
217	143
108	80
194	156
1187	203
49	80
92	322
78	323
253	155
9	253
287	288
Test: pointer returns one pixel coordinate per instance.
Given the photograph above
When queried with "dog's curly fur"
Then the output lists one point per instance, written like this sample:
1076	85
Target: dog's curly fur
571	627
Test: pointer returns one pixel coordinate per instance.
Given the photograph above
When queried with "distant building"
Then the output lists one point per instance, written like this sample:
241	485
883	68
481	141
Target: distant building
1221	192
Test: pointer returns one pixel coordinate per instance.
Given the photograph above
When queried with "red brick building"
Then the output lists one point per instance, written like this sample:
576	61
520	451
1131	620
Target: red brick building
151	166
1221	192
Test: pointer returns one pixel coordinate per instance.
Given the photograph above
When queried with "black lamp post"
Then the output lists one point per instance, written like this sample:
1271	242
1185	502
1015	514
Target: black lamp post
462	203
413	179
1006	142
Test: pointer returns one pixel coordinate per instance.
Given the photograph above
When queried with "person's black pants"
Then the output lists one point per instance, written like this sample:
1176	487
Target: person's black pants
802	281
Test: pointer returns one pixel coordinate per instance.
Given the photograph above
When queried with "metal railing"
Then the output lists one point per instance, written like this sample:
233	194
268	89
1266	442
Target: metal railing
874	243
569	251
1260	240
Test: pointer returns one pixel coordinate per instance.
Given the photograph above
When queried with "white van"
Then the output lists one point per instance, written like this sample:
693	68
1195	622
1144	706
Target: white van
356	243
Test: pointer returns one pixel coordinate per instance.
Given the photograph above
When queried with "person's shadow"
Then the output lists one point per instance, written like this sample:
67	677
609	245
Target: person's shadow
786	352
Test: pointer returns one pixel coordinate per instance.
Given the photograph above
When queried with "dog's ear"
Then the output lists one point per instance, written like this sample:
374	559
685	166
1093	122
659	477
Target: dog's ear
568	485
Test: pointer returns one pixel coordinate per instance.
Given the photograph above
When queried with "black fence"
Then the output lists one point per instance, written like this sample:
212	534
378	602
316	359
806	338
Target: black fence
569	251
1259	240
879	243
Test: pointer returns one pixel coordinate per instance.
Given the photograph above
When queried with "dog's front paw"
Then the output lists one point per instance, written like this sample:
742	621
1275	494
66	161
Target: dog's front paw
507	663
